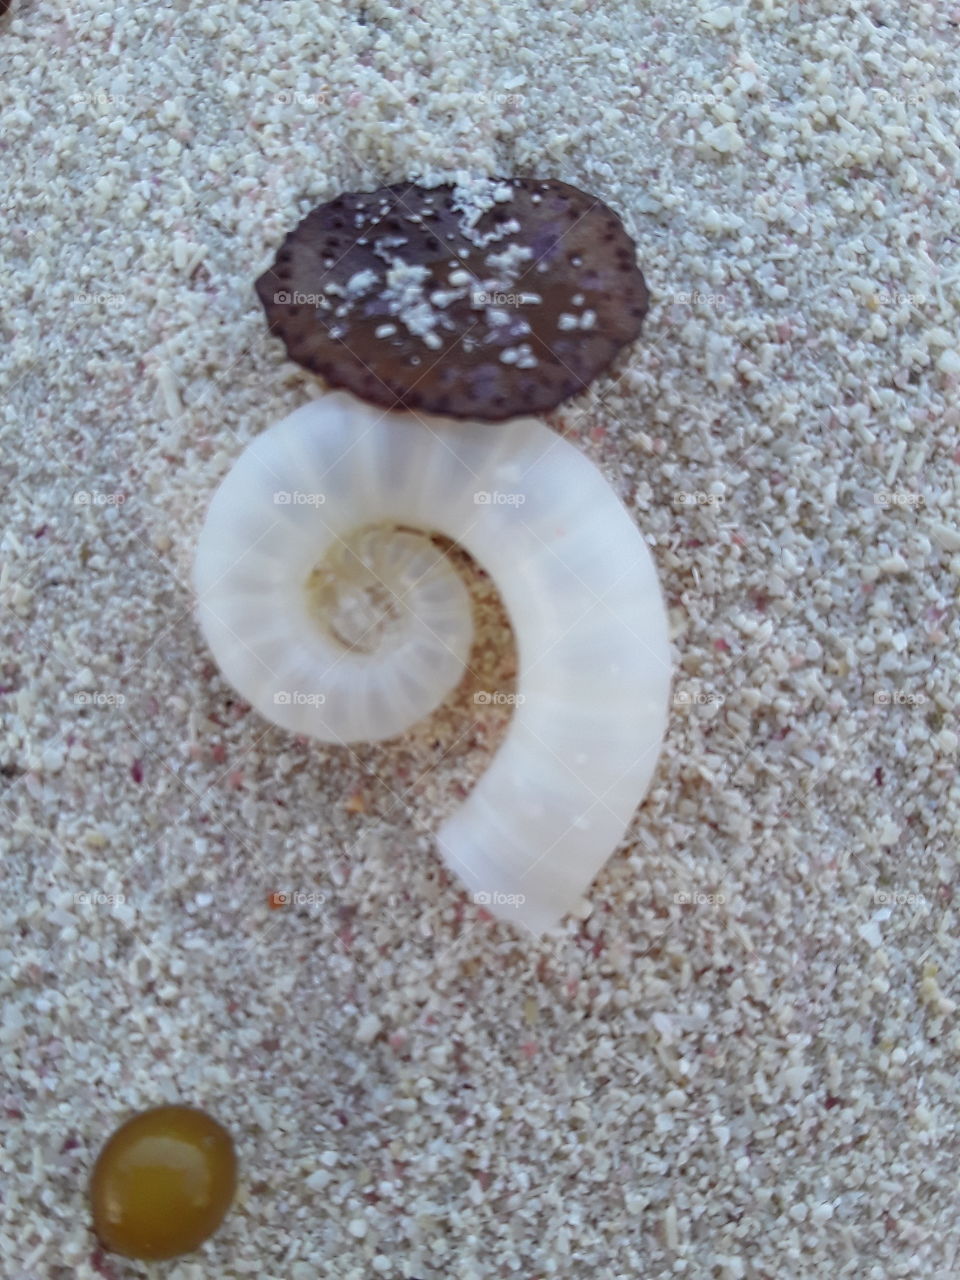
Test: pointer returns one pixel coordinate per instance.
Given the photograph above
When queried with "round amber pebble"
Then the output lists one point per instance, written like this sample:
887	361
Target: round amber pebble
163	1183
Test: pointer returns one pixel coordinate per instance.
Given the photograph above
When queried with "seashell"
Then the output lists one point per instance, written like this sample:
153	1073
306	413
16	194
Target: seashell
329	609
484	306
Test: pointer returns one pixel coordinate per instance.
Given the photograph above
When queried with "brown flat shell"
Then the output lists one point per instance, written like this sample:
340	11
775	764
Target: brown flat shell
407	299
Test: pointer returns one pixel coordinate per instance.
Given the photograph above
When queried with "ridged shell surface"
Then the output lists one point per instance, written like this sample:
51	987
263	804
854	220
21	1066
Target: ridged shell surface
333	616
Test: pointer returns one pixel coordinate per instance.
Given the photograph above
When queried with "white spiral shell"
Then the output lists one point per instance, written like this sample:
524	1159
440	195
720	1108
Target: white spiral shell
318	518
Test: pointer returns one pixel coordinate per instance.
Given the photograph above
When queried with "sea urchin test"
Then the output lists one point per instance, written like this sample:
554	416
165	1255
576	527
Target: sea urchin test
330	610
485	302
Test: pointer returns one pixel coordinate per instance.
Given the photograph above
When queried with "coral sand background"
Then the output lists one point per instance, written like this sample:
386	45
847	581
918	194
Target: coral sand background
739	1061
